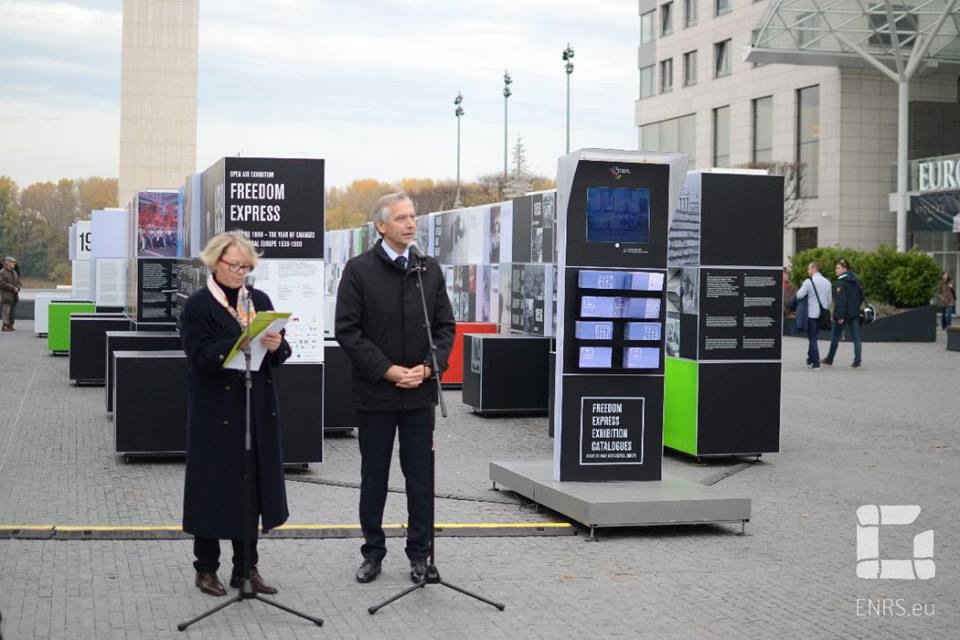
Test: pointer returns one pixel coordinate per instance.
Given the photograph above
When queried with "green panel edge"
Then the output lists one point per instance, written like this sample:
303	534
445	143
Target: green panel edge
58	322
680	405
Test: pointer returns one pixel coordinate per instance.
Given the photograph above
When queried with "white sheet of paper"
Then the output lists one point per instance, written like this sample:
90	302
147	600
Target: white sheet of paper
257	349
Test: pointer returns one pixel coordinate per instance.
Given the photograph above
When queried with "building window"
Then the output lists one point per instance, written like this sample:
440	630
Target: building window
666	75
674	135
646	27
666	18
689	13
721	7
721	137
762	130
690	68
804	238
807	27
808	141
646	81
721	58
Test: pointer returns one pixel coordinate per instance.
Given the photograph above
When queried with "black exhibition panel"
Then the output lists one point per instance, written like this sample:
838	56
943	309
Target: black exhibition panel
134	341
739	408
338	412
300	401
551	390
87	337
103	309
153	326
506	373
150	402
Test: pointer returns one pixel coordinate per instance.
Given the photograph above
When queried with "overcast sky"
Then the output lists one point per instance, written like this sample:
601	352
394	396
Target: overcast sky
366	84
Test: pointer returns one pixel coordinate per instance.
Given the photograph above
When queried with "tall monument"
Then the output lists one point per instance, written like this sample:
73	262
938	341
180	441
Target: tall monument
158	103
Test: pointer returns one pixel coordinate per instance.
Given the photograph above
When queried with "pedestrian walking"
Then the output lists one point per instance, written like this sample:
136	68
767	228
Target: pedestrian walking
847	300
815	291
946	299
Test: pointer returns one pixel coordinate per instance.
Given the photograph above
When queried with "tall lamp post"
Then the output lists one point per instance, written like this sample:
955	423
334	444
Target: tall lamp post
458	112
507	81
568	59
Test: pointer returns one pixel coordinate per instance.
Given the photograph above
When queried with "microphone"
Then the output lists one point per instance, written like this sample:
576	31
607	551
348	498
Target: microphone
248	280
415	251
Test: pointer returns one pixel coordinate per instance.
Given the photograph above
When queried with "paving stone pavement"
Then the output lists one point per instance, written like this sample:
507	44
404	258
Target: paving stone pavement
884	434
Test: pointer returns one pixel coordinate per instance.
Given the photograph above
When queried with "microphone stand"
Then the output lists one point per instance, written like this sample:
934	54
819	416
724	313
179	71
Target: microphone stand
433	575
249	518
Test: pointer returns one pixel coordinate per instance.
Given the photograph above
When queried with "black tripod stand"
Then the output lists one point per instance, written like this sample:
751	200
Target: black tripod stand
433	576
250	519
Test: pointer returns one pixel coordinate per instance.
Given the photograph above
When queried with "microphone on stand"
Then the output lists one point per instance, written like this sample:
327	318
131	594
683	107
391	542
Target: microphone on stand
248	280
416	253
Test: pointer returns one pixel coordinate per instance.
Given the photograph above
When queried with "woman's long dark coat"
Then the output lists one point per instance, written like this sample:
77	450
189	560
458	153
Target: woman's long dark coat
213	493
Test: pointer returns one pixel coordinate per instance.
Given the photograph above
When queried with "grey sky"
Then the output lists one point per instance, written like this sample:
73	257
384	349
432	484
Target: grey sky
368	84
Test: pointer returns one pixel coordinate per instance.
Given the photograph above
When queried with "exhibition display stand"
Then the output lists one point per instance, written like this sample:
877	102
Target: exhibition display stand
58	322
150	402
338	412
613	214
453	376
41	304
724	315
300	398
505	373
87	338
134	341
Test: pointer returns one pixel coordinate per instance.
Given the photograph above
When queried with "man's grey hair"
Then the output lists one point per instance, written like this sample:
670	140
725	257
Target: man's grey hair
9	259
382	210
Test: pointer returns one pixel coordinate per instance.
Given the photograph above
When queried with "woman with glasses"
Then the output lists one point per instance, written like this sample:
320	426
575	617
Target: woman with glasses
213	319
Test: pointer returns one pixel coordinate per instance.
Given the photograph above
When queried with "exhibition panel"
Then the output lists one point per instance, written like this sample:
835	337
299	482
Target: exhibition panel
150	402
87	339
724	315
58	322
299	390
338	412
453	376
505	373
41	304
134	341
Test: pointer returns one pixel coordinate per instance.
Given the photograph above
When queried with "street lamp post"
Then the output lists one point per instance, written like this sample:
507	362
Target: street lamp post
507	81
568	59
458	112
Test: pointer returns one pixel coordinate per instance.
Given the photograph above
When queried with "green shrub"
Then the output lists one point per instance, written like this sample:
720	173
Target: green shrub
877	267
827	257
913	281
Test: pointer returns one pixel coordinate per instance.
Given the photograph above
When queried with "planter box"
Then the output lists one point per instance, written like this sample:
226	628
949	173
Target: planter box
953	339
910	325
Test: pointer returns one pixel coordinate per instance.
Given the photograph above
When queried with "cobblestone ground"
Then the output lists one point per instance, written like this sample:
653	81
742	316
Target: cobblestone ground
884	434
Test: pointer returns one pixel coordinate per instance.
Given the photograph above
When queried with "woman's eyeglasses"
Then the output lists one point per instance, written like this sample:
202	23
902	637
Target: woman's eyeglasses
236	267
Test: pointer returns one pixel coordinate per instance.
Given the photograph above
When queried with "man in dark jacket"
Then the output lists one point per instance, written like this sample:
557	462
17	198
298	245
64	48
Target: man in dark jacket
9	291
847	300
380	325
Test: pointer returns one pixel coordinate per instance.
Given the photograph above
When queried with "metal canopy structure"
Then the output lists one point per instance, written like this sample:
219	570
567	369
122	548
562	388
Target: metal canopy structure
899	39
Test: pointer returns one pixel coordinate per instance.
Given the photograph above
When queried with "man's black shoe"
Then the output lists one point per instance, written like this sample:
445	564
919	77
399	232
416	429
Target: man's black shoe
829	363
418	570
855	365
368	571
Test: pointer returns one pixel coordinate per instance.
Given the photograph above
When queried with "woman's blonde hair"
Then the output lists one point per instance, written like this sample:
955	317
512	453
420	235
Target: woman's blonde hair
218	245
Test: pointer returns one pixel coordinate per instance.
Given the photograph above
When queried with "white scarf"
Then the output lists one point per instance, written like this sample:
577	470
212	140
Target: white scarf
239	314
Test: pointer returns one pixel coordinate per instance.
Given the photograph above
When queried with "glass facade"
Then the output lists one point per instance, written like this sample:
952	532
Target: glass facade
808	141
689	68
721	58
646	81
762	143
721	137
666	75
675	134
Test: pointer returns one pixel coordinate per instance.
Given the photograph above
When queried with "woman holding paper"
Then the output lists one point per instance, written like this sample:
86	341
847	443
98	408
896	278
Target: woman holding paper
212	321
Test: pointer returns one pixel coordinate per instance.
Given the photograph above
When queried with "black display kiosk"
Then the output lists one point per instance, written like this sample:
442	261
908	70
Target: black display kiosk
613	214
87	336
134	341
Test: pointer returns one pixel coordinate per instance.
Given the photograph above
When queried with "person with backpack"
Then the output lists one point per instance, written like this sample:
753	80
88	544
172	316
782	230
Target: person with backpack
815	291
946	298
847	300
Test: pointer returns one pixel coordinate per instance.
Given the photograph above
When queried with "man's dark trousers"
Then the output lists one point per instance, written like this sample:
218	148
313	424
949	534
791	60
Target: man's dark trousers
852	326
813	349
376	433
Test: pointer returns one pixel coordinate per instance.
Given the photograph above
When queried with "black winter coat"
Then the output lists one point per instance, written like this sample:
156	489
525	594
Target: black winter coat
379	323
213	492
847	297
